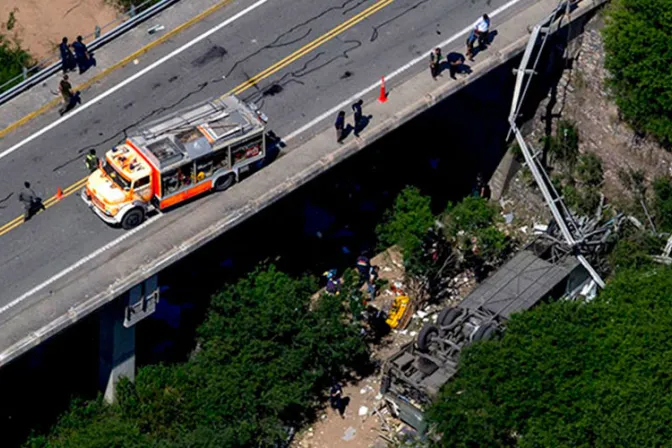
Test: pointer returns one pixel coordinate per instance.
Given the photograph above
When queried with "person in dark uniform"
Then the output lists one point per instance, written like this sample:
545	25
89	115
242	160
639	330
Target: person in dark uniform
357	118
340	127
435	62
336	398
31	203
91	161
455	64
67	59
81	55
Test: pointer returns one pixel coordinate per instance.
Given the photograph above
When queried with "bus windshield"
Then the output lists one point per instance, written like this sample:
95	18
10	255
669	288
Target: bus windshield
116	177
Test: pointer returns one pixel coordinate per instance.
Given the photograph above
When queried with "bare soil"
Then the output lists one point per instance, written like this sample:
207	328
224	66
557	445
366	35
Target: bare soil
39	25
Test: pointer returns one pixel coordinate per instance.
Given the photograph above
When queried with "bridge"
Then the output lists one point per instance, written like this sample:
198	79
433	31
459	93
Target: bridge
300	61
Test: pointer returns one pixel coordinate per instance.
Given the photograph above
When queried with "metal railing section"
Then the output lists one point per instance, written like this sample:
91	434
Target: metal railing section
571	232
48	66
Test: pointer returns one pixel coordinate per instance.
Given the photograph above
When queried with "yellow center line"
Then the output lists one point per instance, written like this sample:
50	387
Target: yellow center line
240	88
310	47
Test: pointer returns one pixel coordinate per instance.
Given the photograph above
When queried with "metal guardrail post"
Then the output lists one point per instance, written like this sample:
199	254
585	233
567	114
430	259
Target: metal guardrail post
24	72
96	32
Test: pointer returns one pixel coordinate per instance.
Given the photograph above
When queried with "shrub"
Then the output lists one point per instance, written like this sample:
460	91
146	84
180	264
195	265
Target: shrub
638	43
662	190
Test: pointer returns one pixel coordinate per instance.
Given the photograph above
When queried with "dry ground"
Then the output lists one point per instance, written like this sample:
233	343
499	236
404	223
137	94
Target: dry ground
41	24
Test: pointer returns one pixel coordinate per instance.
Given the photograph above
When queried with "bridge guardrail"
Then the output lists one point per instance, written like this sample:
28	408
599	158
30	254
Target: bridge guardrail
49	66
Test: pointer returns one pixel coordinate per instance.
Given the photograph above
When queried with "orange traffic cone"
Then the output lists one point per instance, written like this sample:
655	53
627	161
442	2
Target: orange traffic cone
59	193
383	94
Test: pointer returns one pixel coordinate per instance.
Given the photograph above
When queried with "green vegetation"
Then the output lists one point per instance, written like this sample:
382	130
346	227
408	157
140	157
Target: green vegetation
638	41
570	374
407	222
267	356
582	188
12	59
563	146
662	202
125	5
471	225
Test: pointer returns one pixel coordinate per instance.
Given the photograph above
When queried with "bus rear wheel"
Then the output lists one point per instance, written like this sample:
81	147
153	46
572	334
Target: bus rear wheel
225	182
133	218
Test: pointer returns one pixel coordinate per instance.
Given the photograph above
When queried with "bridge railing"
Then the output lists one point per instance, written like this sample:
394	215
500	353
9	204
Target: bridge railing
101	34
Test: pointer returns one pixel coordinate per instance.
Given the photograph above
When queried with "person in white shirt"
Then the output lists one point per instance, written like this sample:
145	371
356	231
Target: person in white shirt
480	32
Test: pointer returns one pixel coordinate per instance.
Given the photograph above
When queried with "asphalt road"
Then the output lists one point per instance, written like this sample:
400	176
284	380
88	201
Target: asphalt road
292	96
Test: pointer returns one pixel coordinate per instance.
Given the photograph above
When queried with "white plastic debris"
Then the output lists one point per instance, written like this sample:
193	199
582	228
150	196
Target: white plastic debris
413	334
421	314
379	396
349	434
363	410
508	218
523	229
540	228
365	390
387	269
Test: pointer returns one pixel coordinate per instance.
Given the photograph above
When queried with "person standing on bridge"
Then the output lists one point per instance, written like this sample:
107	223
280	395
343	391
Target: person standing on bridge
84	61
31	203
70	98
67	59
91	161
357	117
480	31
340	127
435	62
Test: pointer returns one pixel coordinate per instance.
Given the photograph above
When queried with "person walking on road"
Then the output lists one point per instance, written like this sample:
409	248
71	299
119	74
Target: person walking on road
67	59
91	161
84	60
435	62
340	127
70	98
480	33
31	203
357	110
371	282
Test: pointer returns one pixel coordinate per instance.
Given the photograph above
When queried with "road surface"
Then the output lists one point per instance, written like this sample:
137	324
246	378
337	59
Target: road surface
295	59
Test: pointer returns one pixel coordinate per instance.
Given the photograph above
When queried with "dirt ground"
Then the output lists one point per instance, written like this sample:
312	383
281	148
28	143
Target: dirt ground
39	25
361	427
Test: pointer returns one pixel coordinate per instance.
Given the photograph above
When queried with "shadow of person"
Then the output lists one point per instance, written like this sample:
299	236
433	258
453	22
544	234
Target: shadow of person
345	401
491	37
347	131
456	64
362	124
35	207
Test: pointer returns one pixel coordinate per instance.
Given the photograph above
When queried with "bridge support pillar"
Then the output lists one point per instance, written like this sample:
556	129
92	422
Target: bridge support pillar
117	348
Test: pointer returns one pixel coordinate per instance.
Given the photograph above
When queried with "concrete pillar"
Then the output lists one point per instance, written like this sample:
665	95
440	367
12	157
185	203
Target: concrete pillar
117	348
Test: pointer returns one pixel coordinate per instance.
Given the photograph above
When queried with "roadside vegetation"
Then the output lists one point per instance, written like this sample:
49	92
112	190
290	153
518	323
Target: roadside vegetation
12	56
638	40
267	354
570	374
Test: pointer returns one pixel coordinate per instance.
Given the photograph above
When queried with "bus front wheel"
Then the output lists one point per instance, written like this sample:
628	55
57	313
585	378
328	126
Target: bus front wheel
132	218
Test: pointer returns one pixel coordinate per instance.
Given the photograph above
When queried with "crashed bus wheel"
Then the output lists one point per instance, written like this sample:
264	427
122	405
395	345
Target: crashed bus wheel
426	336
133	218
485	332
225	182
447	316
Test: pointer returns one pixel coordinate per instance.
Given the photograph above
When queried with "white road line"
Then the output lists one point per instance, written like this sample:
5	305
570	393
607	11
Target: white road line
422	58
294	134
142	72
78	264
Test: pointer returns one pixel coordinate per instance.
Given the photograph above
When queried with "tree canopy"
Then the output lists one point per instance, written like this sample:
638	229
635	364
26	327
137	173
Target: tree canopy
638	40
267	354
570	374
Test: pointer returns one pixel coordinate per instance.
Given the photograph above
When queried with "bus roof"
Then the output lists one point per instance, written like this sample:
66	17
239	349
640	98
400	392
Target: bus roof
127	162
196	131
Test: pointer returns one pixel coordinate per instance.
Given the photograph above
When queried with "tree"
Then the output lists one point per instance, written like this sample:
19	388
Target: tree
662	190
638	43
267	354
407	222
570	374
471	224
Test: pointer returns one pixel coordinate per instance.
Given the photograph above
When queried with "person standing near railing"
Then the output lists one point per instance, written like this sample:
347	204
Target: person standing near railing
84	59
67	58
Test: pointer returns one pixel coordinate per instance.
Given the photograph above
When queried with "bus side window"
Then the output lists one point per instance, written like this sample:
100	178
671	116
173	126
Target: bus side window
170	182
204	168
186	175
221	159
142	182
